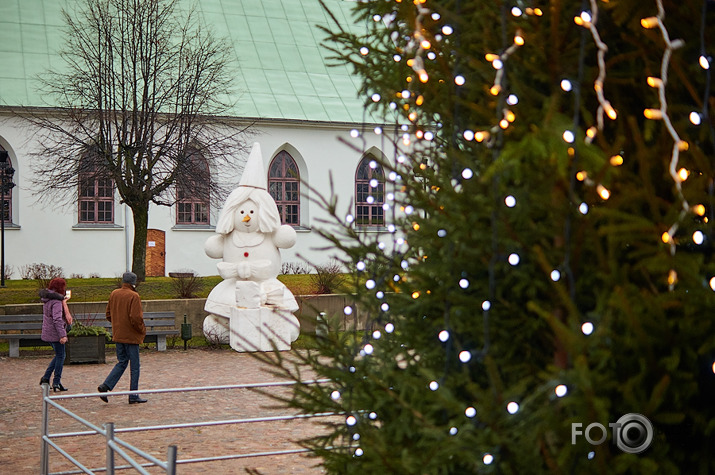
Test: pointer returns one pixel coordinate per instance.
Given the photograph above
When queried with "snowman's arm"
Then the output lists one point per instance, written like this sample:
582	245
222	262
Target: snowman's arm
214	246
284	237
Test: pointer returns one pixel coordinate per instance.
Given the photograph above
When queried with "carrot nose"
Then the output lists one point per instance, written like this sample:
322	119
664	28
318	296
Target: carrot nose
246	219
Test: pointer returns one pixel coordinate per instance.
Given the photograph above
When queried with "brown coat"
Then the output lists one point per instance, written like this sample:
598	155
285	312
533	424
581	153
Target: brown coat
124	310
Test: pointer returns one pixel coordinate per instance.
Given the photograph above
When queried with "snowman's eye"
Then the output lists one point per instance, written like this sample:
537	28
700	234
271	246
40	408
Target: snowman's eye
251	211
241	211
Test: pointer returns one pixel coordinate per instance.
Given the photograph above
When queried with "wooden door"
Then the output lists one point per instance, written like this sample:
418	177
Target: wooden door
155	253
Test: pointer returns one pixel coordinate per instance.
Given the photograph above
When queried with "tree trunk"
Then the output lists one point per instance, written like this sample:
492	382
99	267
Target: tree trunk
141	221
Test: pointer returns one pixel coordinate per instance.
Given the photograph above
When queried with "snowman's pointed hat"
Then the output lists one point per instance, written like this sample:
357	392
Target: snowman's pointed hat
254	174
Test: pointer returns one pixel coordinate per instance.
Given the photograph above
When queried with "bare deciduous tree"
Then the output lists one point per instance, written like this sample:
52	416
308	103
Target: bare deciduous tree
141	95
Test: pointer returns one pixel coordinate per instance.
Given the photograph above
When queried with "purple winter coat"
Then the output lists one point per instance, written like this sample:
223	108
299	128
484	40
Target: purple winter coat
53	323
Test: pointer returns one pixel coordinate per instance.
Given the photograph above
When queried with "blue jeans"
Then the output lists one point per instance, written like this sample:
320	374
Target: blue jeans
56	364
127	354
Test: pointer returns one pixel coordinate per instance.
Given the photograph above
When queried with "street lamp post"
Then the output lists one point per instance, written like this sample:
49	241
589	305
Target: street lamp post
6	186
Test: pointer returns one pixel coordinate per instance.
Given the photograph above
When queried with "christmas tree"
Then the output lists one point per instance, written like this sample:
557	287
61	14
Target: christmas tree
541	299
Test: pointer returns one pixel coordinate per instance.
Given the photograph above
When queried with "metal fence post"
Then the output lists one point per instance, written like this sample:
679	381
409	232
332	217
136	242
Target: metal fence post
171	460
109	428
45	448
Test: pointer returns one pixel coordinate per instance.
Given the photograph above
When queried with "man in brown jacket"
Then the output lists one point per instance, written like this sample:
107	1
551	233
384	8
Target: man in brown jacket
124	310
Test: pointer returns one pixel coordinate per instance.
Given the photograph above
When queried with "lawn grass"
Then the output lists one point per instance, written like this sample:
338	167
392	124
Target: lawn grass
154	288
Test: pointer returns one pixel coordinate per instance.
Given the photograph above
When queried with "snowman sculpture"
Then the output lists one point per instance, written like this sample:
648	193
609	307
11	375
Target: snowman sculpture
251	309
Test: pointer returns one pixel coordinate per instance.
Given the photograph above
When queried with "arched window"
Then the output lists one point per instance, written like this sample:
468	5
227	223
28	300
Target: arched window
192	191
96	192
369	193
284	187
6	172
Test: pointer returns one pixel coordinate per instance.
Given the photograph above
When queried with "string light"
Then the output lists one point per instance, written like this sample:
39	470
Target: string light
661	113
589	20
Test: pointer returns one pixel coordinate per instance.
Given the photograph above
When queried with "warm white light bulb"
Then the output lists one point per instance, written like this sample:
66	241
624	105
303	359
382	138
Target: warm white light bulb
568	136
704	62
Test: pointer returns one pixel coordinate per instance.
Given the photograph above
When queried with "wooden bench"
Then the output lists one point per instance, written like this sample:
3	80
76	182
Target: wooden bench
25	330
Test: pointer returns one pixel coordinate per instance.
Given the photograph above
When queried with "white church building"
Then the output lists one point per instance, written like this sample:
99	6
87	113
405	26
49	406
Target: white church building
303	110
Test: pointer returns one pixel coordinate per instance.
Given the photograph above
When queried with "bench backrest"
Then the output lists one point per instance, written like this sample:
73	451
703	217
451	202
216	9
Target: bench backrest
34	321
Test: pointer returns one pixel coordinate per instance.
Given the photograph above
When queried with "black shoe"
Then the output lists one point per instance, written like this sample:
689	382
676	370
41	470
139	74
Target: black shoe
137	400
103	388
44	381
58	387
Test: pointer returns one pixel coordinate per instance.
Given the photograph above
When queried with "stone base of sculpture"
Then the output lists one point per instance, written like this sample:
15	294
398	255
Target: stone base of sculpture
254	329
252	325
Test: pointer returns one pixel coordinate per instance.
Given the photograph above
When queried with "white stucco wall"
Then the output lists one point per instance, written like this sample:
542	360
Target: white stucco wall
48	234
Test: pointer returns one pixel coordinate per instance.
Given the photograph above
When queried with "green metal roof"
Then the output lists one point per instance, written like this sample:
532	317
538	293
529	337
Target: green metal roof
282	68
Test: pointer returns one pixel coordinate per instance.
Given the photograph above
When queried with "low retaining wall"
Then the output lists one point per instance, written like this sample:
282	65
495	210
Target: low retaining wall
310	306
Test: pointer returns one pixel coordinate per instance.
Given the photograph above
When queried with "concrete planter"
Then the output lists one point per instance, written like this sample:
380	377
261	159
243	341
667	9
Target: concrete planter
86	349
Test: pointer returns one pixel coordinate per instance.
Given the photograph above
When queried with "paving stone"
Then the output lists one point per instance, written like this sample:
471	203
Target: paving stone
21	414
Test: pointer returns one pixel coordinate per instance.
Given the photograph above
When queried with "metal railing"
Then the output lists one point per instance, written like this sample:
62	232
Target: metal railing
116	446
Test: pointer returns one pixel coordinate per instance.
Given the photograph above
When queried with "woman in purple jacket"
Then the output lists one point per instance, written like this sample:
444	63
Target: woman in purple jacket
55	316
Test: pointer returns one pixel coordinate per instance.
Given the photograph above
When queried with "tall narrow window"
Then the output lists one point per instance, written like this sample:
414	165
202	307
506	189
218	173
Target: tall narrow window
5	169
192	191
369	193
96	193
284	187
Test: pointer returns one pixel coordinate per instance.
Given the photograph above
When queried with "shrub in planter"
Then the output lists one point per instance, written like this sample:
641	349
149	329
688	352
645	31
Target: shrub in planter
86	343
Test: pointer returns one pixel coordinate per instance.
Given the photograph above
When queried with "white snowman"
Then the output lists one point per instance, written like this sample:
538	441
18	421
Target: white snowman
248	237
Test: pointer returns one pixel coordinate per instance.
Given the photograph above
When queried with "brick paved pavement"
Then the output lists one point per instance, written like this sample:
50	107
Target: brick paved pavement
20	414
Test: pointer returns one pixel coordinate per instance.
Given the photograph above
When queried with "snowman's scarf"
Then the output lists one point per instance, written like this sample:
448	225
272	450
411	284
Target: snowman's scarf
241	239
